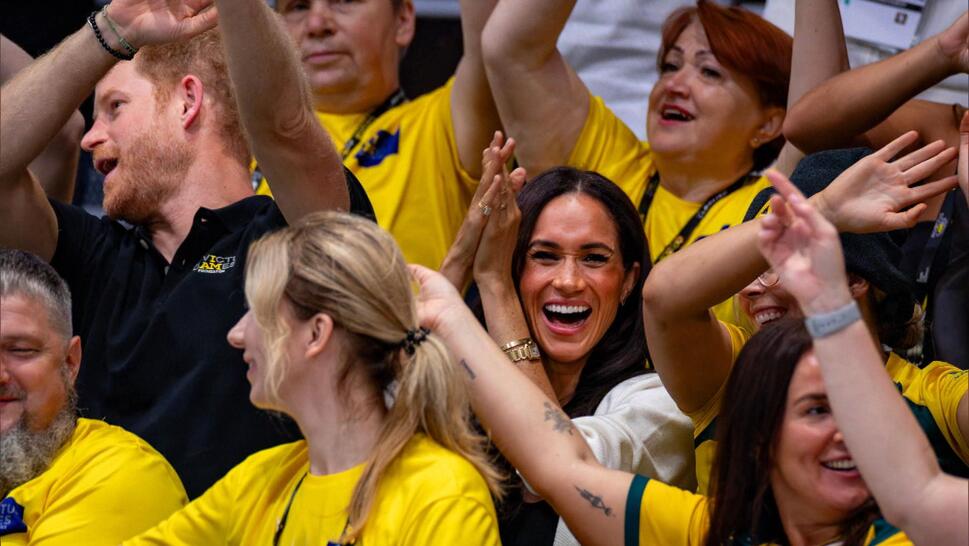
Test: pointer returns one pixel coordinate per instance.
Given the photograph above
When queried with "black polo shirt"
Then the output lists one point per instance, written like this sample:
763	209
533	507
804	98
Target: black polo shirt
156	360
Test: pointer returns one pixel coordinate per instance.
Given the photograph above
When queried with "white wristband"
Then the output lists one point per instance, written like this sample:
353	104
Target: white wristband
825	324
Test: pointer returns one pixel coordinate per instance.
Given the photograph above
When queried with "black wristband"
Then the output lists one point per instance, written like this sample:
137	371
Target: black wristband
101	40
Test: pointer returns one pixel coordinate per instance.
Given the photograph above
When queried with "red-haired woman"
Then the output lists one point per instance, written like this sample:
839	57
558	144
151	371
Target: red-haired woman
714	118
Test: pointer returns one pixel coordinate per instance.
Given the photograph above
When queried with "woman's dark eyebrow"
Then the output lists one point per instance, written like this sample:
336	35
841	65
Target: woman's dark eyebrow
814	397
554	245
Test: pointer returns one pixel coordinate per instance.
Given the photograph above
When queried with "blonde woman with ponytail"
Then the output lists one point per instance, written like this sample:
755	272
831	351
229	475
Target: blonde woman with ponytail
389	457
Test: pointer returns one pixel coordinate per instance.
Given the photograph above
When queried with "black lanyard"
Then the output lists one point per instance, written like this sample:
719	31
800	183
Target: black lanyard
392	101
691	224
281	526
931	249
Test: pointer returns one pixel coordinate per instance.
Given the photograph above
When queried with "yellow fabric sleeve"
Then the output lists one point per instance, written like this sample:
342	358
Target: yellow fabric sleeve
666	514
454	520
939	388
106	486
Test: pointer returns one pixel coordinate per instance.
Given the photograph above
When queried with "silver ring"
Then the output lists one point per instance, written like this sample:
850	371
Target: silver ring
485	209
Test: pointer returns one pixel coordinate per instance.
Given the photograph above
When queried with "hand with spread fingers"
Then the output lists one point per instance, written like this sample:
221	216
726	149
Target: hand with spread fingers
458	263
879	194
803	248
147	22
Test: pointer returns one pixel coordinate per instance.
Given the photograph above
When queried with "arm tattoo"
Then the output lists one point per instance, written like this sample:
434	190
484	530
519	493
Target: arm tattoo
595	501
560	422
468	369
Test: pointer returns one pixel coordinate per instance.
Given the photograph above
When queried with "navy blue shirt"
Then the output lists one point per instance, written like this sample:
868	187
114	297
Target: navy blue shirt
156	360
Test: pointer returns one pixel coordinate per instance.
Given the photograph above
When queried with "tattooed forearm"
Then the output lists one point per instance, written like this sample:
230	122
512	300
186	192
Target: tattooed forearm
560	422
468	369
594	500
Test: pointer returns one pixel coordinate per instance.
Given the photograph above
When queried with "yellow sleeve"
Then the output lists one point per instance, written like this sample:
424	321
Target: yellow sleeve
134	482
936	389
207	520
657	513
607	146
453	520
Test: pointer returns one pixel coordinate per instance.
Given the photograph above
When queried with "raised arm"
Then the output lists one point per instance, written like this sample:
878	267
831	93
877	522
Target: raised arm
294	152
911	490
60	80
819	54
542	102
691	349
56	166
473	110
528	428
870	94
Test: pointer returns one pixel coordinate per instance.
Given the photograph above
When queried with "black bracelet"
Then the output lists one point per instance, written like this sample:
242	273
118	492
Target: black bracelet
104	44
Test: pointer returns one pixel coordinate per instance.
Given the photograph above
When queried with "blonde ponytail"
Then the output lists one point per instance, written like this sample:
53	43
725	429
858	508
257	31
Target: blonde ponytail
353	271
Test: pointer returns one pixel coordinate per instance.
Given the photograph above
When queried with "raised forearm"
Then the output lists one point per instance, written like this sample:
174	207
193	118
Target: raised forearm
864	97
870	412
267	75
819	46
41	98
506	322
681	285
526	31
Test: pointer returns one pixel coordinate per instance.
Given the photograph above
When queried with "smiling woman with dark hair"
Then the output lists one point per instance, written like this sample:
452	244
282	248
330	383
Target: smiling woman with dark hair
559	295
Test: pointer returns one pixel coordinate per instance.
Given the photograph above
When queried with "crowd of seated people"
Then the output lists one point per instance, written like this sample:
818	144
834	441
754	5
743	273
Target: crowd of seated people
318	311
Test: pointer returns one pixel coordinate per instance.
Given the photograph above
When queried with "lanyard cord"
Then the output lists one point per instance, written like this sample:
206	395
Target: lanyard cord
691	224
281	525
394	100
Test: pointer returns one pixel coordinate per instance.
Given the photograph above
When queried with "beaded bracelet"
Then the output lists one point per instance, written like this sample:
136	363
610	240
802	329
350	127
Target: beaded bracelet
124	43
101	40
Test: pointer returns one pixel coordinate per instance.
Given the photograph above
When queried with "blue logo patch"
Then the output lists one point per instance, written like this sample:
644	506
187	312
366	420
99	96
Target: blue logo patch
11	517
377	148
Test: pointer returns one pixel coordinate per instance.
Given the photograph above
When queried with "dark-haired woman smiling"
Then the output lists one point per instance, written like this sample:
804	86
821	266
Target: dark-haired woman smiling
560	295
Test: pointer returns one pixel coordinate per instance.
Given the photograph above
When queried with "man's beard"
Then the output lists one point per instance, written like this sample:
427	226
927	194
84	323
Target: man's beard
151	170
26	453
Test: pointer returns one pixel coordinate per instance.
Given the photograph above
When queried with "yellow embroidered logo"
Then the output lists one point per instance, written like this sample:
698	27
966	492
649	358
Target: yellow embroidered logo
215	264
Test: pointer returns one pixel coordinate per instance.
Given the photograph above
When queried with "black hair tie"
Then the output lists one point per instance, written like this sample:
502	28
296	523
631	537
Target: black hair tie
415	337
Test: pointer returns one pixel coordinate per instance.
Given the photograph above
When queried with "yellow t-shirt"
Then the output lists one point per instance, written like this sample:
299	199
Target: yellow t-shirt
607	146
103	486
408	163
657	513
933	394
428	496
705	418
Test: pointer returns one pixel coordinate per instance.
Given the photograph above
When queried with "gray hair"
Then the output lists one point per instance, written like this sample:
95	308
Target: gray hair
22	273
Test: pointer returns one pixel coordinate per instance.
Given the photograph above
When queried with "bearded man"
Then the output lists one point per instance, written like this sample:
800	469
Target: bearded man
154	302
63	480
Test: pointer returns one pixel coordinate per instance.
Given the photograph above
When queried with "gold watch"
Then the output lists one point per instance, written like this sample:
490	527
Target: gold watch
521	349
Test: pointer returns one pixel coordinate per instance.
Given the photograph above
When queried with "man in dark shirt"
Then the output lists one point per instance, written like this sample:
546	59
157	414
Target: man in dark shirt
154	302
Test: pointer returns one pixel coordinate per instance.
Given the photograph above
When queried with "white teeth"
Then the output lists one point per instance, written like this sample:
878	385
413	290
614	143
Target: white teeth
764	317
566	309
844	464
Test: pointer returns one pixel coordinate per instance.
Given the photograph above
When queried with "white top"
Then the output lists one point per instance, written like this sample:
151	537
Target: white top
638	428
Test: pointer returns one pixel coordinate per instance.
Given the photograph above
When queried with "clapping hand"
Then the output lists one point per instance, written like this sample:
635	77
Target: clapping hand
964	155
491	196
803	249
